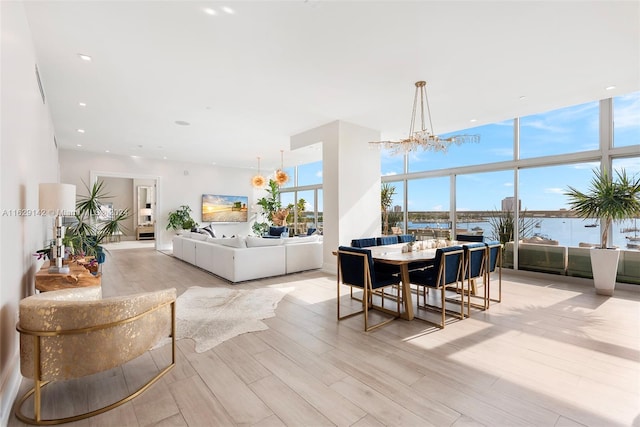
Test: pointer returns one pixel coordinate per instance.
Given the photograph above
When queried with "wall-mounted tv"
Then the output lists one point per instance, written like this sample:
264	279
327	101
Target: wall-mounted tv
220	208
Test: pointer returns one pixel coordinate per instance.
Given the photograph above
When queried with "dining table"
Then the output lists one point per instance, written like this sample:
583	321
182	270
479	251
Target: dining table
397	254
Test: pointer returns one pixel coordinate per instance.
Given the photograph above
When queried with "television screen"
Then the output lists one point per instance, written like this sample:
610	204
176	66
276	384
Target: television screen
219	208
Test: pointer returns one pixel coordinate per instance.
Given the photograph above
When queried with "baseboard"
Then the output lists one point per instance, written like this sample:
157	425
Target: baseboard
9	390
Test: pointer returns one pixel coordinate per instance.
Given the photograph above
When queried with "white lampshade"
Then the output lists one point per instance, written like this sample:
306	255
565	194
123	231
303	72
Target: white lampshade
57	199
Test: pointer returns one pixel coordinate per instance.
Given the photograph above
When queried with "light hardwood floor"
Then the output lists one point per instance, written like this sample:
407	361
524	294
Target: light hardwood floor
551	354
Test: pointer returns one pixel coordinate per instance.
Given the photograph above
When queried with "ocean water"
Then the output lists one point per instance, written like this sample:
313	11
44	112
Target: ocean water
567	231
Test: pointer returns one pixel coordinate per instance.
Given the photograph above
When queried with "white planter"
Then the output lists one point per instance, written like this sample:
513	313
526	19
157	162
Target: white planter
604	265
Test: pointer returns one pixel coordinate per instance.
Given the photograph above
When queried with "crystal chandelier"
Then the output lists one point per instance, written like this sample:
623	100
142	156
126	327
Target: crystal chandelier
424	138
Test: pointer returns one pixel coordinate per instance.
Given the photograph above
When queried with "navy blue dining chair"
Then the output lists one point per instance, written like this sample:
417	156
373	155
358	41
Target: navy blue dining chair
363	243
475	269
494	261
406	238
447	272
355	269
386	240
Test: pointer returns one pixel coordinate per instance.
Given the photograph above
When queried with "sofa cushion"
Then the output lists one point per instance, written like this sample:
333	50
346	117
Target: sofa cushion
198	236
255	242
304	239
234	242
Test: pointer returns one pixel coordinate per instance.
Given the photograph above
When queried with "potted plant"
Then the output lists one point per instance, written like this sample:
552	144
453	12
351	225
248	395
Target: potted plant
608	200
181	219
90	230
271	206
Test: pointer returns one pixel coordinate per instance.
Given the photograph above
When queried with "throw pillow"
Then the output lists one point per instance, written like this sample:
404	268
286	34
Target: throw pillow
256	242
210	230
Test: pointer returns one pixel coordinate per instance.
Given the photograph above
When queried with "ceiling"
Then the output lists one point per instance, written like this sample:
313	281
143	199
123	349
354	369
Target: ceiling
248	78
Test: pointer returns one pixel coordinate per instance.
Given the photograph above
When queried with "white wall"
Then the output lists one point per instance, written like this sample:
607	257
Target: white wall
179	183
28	157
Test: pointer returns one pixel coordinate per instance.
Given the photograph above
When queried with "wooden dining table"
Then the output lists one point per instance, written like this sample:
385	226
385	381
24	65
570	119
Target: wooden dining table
393	254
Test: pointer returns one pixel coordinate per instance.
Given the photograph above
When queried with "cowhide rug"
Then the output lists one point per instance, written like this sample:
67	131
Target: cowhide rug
211	316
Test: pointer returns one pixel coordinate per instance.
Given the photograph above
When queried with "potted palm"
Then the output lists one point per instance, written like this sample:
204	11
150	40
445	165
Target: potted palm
608	200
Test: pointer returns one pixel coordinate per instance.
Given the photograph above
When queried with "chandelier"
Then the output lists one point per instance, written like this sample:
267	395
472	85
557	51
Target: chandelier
424	138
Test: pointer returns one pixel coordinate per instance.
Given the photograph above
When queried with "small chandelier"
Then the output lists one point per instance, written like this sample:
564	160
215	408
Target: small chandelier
258	180
281	176
424	138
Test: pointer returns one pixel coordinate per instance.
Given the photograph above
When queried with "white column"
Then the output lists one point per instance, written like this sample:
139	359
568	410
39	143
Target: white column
351	183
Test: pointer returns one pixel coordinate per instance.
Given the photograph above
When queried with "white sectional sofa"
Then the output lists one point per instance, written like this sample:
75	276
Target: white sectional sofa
247	258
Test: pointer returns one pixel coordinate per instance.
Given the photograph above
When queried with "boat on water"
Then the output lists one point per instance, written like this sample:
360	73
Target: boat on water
633	242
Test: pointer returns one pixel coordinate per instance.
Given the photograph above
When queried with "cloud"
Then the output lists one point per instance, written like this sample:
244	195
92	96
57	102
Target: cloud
554	190
508	184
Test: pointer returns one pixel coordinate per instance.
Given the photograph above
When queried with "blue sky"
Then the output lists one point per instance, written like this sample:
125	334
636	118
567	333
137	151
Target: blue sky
556	132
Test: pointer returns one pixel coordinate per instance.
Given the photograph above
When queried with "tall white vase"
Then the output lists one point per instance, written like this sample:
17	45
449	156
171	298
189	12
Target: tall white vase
604	265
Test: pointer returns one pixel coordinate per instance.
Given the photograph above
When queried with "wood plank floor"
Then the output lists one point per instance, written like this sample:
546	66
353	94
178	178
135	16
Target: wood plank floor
551	354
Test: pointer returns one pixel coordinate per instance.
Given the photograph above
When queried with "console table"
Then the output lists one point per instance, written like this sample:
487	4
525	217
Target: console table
145	232
77	277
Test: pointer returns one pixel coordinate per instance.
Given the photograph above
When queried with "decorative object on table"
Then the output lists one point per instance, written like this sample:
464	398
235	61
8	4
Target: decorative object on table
281	177
258	180
608	200
58	200
279	217
424	139
180	219
210	316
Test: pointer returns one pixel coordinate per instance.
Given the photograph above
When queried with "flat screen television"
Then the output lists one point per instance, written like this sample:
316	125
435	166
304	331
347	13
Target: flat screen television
221	208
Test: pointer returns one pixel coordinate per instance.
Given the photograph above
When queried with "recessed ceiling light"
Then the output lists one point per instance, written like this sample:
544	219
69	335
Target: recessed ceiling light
165	157
80	130
84	57
78	145
106	151
609	88
209	11
228	10
82	104
473	120
182	123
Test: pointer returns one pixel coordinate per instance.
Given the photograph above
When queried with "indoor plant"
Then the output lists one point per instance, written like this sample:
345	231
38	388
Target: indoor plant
608	200
271	207
85	236
180	219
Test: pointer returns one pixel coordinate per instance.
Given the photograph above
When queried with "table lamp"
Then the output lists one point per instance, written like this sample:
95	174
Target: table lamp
59	200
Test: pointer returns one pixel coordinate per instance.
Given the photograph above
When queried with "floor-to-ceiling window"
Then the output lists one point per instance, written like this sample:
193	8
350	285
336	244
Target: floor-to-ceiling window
555	149
303	197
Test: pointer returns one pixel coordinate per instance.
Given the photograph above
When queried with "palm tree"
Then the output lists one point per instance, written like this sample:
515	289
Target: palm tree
607	199
387	191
